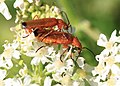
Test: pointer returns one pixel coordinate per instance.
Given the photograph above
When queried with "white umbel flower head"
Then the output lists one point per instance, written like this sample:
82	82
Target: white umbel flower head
107	71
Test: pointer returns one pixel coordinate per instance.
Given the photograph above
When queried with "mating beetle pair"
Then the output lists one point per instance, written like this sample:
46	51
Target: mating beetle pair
51	36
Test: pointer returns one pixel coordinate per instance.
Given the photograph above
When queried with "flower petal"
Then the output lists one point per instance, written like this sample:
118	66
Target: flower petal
16	54
48	81
113	36
27	80
115	70
30	1
117	58
8	82
19	4
2	74
4	11
80	62
102	40
35	61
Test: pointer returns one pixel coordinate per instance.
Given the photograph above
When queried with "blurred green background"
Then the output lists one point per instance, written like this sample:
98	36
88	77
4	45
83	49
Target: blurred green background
103	15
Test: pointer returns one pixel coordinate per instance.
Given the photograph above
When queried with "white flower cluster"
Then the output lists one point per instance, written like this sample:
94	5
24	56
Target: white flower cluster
107	73
28	10
21	65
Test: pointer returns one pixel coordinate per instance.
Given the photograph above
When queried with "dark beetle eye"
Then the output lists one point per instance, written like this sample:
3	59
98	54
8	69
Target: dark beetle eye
24	24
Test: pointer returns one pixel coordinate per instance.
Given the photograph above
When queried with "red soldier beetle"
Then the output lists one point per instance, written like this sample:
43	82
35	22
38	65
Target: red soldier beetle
56	37
43	23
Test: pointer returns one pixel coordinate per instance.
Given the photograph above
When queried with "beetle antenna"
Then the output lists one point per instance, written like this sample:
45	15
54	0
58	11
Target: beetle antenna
89	50
63	12
66	17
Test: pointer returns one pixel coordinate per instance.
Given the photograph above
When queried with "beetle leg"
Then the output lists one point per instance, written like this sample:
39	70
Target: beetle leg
63	53
46	35
28	31
25	36
39	48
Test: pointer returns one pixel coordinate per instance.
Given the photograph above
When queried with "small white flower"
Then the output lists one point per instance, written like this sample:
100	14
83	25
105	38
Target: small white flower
4	10
19	4
41	55
10	52
2	74
66	81
23	72
80	62
19	82
57	77
105	66
50	50
68	54
56	9
75	83
69	66
8	82
117	58
27	80
7	63
16	82
114	38
30	1
108	44
27	45
47	81
79	83
112	81
115	70
57	65
102	70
